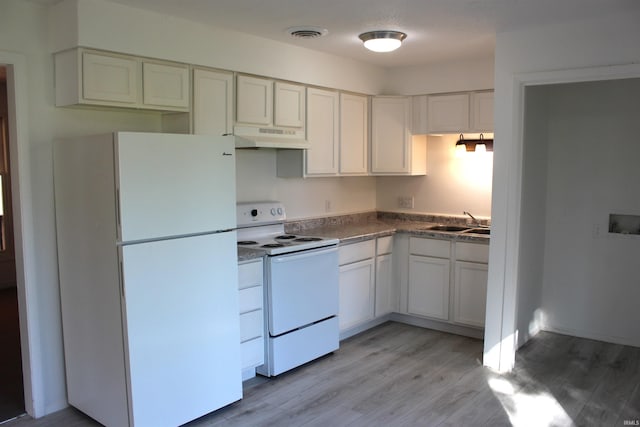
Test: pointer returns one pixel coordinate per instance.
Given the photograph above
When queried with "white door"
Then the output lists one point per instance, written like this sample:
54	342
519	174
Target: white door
182	331
212	102
429	286
323	131
173	185
356	293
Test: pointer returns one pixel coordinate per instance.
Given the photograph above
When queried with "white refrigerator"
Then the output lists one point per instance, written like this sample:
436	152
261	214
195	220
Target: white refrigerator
148	276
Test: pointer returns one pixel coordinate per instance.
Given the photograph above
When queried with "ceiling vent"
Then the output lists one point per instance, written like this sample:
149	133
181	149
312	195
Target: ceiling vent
307	32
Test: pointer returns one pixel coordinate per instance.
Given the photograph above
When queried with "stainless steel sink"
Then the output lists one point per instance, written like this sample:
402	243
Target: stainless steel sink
478	231
452	228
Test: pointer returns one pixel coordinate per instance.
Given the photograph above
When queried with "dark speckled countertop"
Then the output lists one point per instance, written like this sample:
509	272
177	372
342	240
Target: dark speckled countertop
359	227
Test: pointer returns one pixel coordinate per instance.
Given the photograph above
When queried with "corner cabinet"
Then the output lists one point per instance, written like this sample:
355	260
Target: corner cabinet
212	102
90	77
393	149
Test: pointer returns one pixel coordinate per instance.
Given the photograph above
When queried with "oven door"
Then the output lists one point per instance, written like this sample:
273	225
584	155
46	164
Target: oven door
302	288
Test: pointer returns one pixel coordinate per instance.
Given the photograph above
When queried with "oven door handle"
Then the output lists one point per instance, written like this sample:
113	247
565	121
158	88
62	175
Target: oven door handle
304	254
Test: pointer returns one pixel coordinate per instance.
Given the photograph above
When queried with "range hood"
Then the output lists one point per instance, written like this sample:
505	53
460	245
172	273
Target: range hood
257	137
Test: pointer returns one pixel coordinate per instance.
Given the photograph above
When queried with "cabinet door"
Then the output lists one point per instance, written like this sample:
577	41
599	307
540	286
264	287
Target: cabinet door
322	132
111	79
254	100
429	287
384	284
470	293
356	293
448	113
482	111
354	134
212	102
165	85
390	137
289	105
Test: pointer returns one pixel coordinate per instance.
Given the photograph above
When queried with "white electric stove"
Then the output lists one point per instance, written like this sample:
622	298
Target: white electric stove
301	287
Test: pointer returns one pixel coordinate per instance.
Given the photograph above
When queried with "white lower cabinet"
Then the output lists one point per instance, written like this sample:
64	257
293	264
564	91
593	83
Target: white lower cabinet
250	288
429	286
385	295
357	284
447	280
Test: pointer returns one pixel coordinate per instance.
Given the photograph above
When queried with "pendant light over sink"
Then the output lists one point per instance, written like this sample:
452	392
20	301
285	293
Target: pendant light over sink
382	41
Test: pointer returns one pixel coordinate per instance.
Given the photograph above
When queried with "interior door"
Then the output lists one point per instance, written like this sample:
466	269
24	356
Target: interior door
182	329
174	185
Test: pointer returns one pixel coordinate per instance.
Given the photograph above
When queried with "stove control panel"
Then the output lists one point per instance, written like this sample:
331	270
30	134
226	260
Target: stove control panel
259	213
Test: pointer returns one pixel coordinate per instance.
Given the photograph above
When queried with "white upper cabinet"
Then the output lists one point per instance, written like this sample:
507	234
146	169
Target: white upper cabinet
456	113
165	85
448	113
263	102
322	132
90	77
482	111
393	150
354	134
289	105
212	102
254	100
109	78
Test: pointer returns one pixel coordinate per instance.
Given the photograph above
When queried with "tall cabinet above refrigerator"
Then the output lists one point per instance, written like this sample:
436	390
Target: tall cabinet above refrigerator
148	276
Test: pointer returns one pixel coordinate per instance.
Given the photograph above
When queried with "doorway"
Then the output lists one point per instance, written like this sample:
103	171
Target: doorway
11	378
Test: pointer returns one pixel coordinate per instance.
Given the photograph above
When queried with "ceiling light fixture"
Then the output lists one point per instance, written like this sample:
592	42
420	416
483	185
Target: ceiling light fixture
382	41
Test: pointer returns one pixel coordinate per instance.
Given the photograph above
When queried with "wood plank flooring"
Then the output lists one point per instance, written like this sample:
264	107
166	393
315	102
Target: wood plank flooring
401	375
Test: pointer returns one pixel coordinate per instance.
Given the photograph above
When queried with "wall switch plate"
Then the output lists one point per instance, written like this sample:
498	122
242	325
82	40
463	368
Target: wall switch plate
405	202
327	205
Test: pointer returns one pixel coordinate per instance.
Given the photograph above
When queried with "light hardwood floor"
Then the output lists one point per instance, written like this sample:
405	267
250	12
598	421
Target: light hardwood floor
400	375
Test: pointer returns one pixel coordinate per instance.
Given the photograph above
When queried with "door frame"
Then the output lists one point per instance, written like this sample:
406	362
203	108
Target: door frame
17	95
501	334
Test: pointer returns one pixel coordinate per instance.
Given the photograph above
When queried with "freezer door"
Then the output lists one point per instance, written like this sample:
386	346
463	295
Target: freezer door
182	332
174	185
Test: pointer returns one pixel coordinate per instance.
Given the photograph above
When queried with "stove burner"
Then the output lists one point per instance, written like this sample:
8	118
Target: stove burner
273	245
286	237
247	242
308	239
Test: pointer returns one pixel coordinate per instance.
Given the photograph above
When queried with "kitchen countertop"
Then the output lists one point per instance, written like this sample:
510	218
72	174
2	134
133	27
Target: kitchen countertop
358	231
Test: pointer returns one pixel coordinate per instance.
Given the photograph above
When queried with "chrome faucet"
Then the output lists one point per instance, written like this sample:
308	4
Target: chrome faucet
474	221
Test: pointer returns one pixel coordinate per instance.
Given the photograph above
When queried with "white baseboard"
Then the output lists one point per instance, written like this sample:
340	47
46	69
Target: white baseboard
593	336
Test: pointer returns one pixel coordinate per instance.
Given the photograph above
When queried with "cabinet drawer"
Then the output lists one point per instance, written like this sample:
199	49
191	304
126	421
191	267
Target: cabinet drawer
385	245
250	274
251	325
474	252
430	247
250	299
357	252
252	352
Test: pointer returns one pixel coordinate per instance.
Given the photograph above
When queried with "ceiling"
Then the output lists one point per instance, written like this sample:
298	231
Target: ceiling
438	30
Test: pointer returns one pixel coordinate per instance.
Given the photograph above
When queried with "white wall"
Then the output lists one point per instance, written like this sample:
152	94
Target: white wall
591	282
454	182
532	222
455	76
303	198
529	56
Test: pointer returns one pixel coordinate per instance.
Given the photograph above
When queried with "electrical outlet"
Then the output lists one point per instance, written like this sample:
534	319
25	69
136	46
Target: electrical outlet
405	202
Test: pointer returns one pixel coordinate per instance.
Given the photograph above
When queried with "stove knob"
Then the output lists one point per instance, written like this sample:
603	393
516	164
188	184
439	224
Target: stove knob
279	211
273	211
254	212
